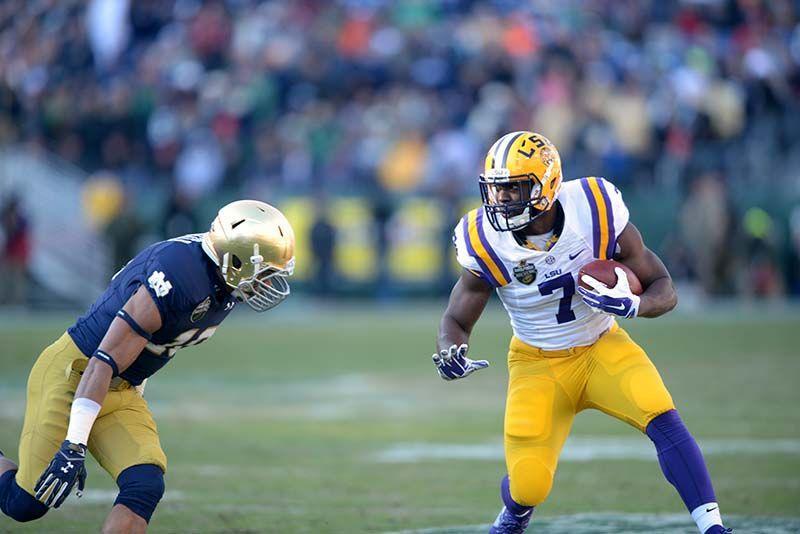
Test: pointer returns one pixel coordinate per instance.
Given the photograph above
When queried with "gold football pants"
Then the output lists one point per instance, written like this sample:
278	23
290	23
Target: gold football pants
546	389
124	433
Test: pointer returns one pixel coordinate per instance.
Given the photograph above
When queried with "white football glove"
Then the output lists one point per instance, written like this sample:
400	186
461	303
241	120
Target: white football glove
453	363
617	300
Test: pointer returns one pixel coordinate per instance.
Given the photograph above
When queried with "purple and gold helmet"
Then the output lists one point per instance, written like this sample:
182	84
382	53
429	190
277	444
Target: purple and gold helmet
528	162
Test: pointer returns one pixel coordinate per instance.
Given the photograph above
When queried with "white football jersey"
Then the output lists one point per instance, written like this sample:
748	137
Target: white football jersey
538	288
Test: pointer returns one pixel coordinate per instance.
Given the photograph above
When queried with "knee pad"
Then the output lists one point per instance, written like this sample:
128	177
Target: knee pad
17	503
140	489
530	481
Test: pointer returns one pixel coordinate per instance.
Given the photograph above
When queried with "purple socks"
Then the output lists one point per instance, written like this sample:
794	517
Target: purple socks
681	460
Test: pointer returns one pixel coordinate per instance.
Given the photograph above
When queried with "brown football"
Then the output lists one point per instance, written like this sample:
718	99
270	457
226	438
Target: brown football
603	270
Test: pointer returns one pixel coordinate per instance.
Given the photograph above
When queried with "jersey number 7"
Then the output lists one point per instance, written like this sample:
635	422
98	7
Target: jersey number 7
567	283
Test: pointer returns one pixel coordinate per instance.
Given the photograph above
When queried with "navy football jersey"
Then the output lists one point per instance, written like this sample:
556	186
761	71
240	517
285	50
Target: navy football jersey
186	286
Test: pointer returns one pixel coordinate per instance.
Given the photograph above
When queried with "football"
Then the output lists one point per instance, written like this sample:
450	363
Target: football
603	270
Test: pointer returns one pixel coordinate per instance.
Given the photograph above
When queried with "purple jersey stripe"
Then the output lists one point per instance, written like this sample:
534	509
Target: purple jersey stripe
489	249
595	218
487	274
612	238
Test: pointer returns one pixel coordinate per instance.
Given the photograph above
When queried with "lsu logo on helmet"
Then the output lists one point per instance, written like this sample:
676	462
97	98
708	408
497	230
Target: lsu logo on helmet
525	165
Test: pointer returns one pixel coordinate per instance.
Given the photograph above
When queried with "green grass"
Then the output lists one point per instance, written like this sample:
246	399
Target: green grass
275	423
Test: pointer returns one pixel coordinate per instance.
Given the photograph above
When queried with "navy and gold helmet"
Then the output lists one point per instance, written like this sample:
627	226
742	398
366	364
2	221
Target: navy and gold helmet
528	164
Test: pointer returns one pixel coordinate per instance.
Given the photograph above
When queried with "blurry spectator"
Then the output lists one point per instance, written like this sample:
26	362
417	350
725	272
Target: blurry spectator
448	199
108	29
762	272
323	247
209	33
382	210
200	166
123	233
705	223
404	163
794	251
103	198
16	240
179	217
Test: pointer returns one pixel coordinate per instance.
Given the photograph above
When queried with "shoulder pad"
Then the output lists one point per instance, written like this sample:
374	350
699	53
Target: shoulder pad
175	277
474	252
609	215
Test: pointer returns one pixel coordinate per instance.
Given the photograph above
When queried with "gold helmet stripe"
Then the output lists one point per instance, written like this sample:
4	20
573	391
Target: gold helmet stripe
500	156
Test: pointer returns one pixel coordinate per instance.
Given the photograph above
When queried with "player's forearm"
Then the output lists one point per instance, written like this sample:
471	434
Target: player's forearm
451	332
95	381
466	304
88	401
659	298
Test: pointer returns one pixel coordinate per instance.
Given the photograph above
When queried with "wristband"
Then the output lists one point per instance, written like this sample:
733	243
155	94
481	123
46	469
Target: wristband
81	418
106	358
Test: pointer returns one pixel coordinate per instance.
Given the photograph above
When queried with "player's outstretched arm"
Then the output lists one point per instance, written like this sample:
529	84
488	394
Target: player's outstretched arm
467	301
126	337
659	294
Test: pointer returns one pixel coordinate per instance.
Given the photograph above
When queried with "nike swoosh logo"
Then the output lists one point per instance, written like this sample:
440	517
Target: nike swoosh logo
620	308
711	509
573	256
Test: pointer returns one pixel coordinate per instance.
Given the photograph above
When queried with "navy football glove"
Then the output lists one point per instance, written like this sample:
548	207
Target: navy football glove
66	468
453	363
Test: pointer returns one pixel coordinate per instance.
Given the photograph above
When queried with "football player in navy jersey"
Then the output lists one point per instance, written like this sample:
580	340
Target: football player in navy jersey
85	390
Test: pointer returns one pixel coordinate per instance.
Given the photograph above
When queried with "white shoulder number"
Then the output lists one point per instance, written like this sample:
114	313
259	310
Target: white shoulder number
194	336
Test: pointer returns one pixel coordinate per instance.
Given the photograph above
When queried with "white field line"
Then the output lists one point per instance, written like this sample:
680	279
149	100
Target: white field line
103	496
581	449
339	397
613	523
335	398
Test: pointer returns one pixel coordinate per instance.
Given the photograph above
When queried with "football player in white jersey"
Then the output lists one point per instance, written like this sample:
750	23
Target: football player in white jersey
528	242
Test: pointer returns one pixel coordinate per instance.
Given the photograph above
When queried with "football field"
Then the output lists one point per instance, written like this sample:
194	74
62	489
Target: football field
317	418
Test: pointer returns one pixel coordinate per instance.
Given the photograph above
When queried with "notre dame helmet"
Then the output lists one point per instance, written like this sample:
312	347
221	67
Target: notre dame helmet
528	163
253	245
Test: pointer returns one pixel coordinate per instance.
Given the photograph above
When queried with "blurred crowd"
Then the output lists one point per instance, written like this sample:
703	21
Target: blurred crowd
693	103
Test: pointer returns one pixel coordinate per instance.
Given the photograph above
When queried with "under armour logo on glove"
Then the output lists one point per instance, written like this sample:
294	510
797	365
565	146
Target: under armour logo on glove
53	487
453	363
